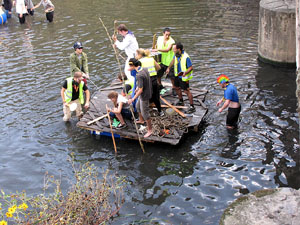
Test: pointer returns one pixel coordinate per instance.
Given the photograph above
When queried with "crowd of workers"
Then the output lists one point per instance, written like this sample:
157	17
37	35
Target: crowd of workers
26	7
142	81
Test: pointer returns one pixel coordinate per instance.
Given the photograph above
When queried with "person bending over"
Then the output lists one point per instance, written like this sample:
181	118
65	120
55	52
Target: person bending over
121	108
231	100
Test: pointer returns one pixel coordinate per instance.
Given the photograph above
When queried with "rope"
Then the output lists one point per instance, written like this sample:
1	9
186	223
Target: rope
160	124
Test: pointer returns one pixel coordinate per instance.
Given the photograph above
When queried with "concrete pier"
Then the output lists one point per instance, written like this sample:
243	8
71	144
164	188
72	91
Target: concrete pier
276	35
268	207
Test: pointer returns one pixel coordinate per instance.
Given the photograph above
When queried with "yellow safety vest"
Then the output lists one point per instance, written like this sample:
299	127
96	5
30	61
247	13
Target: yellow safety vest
148	63
131	83
183	58
69	91
166	57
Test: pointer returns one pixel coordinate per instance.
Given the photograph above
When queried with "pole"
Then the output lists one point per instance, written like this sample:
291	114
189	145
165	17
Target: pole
111	130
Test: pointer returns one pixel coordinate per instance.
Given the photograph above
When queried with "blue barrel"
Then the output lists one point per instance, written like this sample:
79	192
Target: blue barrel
3	17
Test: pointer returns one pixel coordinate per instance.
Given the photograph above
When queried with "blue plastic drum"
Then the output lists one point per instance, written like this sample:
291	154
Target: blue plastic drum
3	17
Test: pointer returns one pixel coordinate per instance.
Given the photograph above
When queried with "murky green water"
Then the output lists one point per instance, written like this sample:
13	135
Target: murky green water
189	184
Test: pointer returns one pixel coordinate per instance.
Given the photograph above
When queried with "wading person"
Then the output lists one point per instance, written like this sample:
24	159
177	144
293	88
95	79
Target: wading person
29	6
144	93
164	46
231	100
121	108
21	10
183	72
129	45
8	4
72	92
48	7
152	66
79	61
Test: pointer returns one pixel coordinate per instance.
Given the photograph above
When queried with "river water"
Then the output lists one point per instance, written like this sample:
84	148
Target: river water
188	184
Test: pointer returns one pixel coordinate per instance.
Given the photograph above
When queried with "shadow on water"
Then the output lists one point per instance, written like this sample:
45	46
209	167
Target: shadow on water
276	85
231	149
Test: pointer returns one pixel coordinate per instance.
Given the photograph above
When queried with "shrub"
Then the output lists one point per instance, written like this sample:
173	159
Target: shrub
89	200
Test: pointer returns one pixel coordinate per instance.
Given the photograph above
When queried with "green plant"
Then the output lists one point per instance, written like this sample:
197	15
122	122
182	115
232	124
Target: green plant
89	200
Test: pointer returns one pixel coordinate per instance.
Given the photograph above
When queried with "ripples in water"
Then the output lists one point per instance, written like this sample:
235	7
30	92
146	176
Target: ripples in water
188	184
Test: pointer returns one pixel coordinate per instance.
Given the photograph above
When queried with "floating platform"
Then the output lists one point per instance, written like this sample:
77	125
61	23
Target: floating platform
169	128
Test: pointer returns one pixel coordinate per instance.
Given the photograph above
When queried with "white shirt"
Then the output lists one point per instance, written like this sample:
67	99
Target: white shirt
124	100
20	7
47	4
129	44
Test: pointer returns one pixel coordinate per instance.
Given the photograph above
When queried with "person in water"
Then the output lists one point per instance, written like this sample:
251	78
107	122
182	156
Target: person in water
72	92
48	7
231	100
79	61
21	10
29	6
8	4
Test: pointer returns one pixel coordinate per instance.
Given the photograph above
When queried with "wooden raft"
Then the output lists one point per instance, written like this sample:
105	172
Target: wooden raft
170	135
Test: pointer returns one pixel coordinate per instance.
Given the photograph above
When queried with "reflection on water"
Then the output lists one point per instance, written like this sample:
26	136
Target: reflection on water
188	184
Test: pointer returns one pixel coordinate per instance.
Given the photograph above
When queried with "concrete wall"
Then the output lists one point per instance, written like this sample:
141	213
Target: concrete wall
276	36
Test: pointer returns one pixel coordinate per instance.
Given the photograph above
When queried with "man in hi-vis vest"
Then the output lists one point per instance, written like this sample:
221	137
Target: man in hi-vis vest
183	71
164	46
72	96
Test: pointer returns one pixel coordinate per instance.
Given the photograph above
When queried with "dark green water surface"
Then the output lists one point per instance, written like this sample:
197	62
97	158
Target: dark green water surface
189	184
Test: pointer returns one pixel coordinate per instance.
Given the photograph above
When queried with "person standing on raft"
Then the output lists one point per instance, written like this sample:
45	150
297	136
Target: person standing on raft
48	7
72	92
183	71
164	46
129	45
143	93
79	61
152	66
231	100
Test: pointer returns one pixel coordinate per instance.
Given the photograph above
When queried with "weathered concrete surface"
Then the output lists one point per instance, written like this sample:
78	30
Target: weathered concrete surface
267	207
276	35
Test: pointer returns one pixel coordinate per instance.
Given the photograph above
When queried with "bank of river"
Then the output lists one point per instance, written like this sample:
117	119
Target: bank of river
189	184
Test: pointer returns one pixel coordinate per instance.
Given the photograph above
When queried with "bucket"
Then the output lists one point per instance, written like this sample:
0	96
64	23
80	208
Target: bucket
73	106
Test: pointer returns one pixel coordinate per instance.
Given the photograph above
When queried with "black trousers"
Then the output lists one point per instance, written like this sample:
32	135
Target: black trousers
49	16
155	93
21	19
233	116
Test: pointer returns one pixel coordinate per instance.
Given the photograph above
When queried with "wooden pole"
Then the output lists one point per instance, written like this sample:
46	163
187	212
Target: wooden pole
154	41
111	130
176	106
97	119
173	107
298	59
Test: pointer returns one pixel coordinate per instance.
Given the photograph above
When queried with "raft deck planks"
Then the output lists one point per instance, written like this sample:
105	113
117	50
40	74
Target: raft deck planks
98	108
